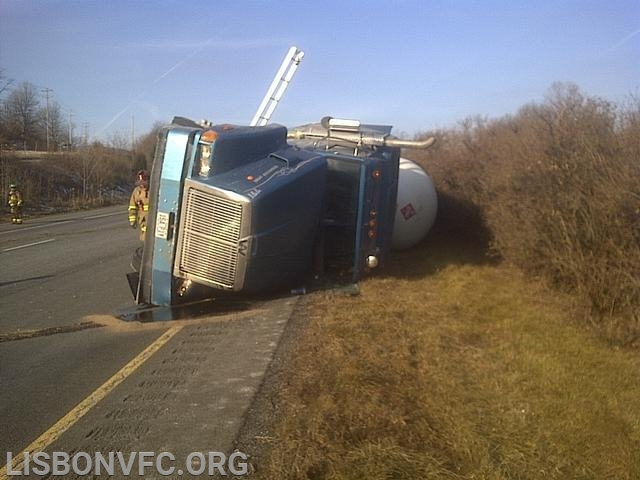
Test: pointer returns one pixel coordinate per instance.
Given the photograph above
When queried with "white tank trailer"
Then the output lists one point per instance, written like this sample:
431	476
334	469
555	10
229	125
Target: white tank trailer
416	206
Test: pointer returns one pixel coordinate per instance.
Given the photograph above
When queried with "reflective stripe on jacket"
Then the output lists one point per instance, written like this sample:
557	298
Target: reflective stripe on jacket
139	206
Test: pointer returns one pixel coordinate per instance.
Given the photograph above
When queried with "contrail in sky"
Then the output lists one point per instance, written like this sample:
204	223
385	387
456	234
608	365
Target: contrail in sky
625	40
171	69
119	114
188	57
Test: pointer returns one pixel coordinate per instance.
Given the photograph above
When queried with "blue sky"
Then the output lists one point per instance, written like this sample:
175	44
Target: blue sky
416	65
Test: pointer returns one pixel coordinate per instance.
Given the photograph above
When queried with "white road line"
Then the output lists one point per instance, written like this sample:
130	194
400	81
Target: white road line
24	229
104	215
28	245
55	224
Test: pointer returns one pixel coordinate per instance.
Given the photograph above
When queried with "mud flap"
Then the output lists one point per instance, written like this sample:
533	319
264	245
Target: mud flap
133	278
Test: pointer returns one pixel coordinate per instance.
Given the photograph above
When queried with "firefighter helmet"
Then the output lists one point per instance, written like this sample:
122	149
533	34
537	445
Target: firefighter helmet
142	178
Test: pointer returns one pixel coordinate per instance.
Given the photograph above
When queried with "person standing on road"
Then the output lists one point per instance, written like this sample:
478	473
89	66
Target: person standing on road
139	203
15	204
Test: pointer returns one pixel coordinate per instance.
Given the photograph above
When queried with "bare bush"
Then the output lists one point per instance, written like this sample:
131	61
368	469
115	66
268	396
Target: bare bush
92	176
558	186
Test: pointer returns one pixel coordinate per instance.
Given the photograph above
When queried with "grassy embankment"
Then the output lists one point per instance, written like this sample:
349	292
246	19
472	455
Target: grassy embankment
450	366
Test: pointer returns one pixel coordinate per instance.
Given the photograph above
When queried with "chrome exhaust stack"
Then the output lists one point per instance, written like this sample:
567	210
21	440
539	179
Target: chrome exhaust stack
414	144
352	132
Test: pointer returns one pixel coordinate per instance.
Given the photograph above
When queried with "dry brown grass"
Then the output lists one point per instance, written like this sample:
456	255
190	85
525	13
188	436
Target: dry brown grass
469	371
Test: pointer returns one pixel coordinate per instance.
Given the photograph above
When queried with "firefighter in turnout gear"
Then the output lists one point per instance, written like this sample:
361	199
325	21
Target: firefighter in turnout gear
15	204
139	203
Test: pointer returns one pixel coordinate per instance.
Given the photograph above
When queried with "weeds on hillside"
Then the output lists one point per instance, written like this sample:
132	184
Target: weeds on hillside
90	177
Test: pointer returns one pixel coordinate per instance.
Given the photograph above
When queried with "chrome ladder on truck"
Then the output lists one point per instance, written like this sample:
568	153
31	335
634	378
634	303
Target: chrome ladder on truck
278	86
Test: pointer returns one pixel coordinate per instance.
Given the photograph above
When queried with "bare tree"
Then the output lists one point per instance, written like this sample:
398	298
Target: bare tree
5	82
146	146
58	129
22	113
89	160
119	141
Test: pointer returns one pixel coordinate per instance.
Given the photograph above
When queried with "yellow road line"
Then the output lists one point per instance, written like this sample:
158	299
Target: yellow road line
62	425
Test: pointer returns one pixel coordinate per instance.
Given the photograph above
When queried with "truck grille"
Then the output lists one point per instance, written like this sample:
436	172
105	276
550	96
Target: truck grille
210	238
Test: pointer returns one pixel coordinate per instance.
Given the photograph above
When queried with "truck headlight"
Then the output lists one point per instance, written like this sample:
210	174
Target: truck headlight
205	160
372	261
204	152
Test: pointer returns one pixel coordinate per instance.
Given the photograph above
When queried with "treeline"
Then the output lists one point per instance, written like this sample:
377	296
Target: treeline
556	188
88	176
55	170
31	120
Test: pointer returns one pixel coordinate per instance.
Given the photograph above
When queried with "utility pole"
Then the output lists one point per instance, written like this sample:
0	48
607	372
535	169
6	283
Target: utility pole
46	92
85	137
133	145
70	130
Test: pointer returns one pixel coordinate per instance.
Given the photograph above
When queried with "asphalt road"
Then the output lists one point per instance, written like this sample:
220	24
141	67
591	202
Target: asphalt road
57	269
59	272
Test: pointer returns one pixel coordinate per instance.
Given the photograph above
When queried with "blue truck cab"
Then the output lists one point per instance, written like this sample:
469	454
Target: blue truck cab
241	209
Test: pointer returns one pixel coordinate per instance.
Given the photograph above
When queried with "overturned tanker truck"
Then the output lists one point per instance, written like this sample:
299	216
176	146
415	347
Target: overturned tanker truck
247	209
